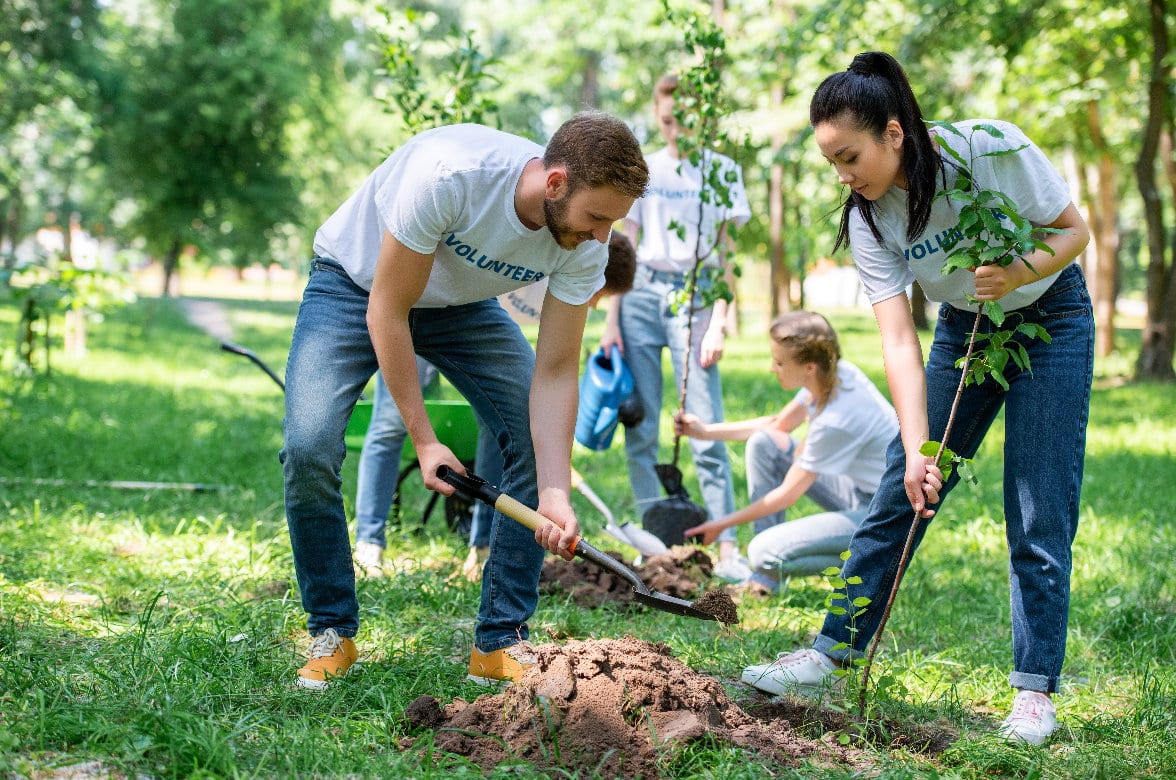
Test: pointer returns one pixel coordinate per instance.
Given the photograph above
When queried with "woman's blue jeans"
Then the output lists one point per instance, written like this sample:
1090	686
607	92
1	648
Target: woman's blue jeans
487	359
806	545
648	326
1046	411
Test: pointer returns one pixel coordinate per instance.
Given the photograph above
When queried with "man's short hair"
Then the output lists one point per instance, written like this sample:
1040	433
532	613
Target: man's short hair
622	265
598	150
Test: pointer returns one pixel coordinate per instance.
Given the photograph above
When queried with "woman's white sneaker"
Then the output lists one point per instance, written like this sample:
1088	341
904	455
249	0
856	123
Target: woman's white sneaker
802	671
1032	720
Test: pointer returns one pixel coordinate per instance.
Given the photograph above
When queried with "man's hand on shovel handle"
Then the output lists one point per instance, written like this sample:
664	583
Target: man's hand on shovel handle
560	534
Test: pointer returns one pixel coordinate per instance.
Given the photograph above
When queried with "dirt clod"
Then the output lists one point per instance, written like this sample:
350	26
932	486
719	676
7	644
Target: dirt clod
720	604
615	706
679	572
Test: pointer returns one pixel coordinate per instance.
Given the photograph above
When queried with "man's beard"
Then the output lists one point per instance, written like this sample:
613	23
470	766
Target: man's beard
555	213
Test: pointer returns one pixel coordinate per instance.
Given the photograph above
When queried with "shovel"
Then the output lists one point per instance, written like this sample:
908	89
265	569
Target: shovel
638	538
479	488
668	518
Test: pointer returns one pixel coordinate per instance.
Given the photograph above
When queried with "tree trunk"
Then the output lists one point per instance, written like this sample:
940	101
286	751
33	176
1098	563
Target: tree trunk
1156	348
590	85
1104	230
171	266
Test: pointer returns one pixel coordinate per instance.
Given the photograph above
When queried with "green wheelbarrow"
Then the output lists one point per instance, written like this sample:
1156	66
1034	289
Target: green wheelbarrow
456	427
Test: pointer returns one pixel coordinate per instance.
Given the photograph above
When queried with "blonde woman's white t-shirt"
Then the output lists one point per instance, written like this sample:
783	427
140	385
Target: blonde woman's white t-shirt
449	192
1026	176
850	434
674	196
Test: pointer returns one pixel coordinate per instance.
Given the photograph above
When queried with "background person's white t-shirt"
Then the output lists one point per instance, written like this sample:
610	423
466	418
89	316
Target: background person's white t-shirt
450	192
850	434
674	195
1027	177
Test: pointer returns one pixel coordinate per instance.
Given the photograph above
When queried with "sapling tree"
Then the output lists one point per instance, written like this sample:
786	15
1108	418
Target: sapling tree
990	231
699	105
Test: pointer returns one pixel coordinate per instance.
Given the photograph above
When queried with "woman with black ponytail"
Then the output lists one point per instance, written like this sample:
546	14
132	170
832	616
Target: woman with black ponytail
868	126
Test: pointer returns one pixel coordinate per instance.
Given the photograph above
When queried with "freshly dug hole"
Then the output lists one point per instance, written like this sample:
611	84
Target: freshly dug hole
611	705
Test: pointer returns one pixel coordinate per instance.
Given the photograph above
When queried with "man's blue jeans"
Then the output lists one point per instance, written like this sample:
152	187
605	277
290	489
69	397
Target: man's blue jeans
487	359
648	326
1046	411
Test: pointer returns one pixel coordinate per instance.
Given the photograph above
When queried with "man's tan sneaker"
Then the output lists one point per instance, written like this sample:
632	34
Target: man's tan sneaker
331	655
501	667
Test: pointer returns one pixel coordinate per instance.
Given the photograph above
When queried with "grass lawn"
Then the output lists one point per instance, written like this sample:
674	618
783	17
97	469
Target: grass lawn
155	632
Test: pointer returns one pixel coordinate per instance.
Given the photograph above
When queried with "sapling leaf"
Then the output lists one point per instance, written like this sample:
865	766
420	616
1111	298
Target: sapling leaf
854	580
1002	152
831	571
862	601
992	130
994	312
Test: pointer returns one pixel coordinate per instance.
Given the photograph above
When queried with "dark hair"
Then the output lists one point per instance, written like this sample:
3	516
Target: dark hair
867	95
622	264
811	339
598	150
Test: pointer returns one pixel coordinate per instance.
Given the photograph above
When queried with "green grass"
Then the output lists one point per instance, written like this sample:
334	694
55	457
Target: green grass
157	631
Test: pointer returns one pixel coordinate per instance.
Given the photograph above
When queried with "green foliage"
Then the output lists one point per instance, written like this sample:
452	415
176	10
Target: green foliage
427	92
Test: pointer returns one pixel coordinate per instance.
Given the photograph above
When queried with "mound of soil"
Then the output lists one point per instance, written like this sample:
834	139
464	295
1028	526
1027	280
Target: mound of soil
678	572
616	707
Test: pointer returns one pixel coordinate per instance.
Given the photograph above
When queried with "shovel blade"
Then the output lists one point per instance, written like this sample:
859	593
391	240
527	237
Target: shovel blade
670	604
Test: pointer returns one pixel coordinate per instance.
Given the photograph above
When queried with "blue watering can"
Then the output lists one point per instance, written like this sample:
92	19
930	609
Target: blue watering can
605	385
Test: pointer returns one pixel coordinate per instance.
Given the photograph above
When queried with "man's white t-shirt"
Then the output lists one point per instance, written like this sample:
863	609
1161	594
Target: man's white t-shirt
449	192
1026	176
850	434
674	196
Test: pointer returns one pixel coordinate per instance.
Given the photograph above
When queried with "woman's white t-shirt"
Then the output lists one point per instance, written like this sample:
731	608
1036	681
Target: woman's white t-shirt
449	193
1026	176
850	434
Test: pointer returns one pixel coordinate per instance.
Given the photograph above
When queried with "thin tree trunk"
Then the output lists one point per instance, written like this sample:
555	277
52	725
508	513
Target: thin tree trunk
171	266
1156	349
1104	226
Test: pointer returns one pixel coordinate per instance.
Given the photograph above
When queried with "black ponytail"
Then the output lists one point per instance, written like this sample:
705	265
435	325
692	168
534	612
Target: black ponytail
868	94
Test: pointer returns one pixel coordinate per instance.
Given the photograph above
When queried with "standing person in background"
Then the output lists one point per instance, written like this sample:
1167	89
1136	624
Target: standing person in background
868	125
526	306
643	325
412	265
837	464
379	471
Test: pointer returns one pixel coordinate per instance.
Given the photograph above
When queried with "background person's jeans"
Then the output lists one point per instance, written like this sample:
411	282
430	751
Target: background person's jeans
379	460
807	545
1046	411
648	327
486	357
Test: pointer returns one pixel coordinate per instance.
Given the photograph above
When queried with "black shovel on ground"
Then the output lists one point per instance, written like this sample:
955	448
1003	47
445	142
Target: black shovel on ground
478	488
